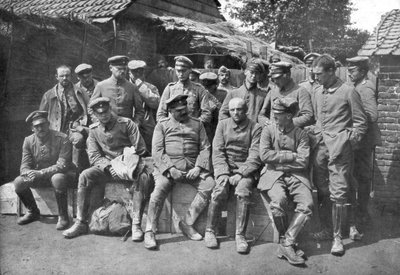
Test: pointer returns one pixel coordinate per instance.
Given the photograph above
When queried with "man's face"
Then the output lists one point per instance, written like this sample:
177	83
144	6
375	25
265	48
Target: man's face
194	77
64	77
86	79
41	130
209	64
323	77
119	72
282	119
162	64
104	116
282	80
182	72
237	111
252	76
180	113
355	74
224	78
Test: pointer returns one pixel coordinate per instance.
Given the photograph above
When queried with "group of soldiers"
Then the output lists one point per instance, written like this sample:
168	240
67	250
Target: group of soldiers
283	138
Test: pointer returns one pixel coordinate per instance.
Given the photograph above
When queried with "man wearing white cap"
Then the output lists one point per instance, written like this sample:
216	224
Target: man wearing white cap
86	81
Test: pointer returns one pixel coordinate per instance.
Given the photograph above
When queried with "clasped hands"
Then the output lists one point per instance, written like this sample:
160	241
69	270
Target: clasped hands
177	174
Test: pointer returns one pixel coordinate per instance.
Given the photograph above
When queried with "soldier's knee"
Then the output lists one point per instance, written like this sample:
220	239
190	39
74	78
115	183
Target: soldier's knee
84	181
244	187
59	181
20	185
278	205
219	193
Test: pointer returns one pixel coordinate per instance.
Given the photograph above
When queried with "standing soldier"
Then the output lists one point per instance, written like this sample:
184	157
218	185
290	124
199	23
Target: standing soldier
286	87
216	97
181	153
66	105
310	84
249	91
363	156
224	76
150	97
284	148
107	140
125	99
46	157
197	96
86	82
341	124
236	162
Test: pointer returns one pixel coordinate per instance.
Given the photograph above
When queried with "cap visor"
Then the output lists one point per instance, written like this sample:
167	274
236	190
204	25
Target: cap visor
39	121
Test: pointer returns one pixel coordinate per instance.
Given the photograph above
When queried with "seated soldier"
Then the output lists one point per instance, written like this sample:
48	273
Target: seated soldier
46	157
284	148
107	140
181	153
236	162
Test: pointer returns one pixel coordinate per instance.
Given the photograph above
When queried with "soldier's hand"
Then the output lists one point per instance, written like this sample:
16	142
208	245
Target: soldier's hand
223	180
113	174
175	173
193	173
234	180
34	174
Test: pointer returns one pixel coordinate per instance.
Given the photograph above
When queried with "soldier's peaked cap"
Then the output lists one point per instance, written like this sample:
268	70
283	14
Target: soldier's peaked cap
357	61
37	117
100	104
177	100
208	76
181	60
279	68
83	68
285	105
136	64
118	60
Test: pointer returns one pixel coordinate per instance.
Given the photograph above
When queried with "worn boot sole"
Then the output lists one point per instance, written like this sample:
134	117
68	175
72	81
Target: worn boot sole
211	241
281	255
242	247
337	250
75	231
189	231
33	218
150	242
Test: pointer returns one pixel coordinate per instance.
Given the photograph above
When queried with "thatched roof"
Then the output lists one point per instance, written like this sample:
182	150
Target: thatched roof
218	38
385	40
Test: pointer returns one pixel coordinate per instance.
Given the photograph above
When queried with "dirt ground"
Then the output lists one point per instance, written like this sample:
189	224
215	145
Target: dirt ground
38	248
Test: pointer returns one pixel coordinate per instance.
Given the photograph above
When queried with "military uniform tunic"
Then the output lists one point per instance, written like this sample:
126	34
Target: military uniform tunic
125	99
284	172
197	100
254	98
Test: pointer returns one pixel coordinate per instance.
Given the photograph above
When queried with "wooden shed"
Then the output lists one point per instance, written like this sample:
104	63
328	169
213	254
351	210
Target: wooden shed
383	48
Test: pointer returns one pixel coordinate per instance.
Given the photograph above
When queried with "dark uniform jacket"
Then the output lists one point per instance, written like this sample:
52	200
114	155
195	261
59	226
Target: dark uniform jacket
236	148
107	142
340	117
366	90
304	116
254	98
124	96
89	91
180	145
276	151
197	100
51	157
57	117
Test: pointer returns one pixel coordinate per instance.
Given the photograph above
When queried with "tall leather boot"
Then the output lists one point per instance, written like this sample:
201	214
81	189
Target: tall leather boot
197	206
212	219
338	219
287	248
281	224
153	213
137	211
32	212
80	226
242	219
62	203
324	211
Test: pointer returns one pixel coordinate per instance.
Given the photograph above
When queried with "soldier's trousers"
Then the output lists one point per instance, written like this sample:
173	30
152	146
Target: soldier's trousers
287	188
60	182
242	189
79	155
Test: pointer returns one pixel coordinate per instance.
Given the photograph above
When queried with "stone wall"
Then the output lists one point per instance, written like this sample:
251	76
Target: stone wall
387	165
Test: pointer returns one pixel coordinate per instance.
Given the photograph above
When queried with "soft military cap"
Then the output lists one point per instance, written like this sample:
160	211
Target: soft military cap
208	76
285	105
357	61
183	61
136	64
279	68
309	58
223	69
118	60
177	100
100	104
37	117
83	68
256	65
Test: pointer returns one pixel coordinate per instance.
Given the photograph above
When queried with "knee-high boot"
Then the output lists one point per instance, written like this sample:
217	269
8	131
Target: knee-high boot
32	212
339	214
242	219
197	206
62	203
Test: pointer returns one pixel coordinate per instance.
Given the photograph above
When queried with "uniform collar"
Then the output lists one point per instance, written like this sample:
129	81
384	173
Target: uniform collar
242	125
110	124
117	81
334	86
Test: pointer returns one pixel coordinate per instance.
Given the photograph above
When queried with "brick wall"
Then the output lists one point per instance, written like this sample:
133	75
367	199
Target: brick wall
387	166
